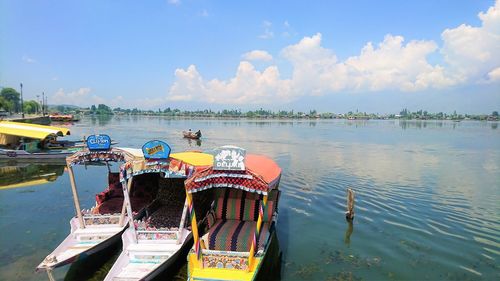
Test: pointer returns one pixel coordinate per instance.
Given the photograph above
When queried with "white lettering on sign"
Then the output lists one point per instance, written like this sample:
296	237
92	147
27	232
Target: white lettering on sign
230	159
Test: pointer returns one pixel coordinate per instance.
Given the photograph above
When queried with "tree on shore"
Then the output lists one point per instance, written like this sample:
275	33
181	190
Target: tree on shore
31	107
11	99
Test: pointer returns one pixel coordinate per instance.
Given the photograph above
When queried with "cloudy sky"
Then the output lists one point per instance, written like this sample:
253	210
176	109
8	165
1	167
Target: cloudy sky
337	56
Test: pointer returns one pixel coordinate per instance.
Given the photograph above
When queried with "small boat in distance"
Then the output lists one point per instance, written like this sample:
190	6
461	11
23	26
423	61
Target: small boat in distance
56	117
192	135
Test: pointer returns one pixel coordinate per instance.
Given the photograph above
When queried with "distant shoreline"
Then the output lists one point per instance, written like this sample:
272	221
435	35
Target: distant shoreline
182	116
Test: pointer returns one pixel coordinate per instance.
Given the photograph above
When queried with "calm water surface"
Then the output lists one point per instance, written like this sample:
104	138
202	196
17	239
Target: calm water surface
427	196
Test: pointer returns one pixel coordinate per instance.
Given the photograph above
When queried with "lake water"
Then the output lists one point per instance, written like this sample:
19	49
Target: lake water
427	195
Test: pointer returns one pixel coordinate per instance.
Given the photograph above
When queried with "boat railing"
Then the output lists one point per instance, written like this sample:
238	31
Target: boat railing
225	259
159	236
97	219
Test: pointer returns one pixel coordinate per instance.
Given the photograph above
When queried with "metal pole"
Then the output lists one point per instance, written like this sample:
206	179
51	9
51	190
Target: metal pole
43	103
75	196
22	106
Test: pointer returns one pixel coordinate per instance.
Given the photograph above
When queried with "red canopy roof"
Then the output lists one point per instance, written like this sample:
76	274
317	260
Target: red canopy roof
261	174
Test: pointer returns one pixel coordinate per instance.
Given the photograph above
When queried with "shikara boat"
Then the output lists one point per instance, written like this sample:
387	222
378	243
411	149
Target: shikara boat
22	141
241	224
154	242
95	229
192	135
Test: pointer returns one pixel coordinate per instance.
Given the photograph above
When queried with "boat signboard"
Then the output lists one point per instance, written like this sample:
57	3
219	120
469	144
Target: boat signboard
229	158
98	142
156	149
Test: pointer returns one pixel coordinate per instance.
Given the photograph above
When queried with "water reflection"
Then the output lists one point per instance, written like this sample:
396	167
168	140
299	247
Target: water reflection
196	142
101	120
14	175
348	233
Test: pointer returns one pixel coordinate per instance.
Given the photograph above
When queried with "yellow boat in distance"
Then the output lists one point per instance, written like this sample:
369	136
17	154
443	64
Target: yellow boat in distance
241	223
22	141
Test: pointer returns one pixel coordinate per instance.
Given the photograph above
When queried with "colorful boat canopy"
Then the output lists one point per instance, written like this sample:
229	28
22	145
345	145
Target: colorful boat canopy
178	165
98	142
114	154
261	175
33	131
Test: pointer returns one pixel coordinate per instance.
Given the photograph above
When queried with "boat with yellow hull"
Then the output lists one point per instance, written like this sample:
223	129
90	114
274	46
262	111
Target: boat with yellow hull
241	224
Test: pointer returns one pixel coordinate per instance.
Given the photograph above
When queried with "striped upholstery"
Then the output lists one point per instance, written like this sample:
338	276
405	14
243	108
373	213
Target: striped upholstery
234	235
233	204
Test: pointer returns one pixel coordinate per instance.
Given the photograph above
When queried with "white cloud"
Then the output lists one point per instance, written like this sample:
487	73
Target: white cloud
472	52
28	59
470	55
257	55
268	33
494	75
55	78
174	2
80	97
248	86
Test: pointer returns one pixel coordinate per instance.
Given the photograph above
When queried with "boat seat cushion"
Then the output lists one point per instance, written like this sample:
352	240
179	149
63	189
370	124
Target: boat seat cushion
234	204
234	235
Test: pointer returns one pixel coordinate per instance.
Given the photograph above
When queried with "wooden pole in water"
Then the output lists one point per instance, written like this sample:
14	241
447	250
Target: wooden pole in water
75	196
349	214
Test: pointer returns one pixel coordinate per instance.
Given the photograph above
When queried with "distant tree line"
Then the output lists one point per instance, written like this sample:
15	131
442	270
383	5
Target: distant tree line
311	114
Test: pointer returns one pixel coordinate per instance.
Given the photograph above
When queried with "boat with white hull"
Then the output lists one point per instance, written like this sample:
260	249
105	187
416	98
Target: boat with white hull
155	242
95	229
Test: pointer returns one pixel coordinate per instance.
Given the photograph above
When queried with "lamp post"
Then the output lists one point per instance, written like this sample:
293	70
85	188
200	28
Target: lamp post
43	103
38	106
22	106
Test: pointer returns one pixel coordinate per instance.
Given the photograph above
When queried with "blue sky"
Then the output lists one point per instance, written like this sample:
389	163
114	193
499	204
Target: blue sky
377	56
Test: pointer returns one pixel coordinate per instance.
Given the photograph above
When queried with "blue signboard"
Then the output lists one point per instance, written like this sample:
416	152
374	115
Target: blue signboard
98	142
156	149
